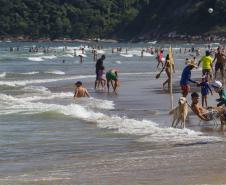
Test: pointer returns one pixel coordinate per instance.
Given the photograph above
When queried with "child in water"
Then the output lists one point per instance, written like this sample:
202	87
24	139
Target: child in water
80	90
205	88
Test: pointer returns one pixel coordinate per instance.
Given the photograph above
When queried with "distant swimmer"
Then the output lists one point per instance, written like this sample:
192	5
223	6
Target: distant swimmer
80	90
112	77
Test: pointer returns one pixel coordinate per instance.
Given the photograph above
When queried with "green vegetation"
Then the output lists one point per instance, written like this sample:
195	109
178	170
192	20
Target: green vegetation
111	18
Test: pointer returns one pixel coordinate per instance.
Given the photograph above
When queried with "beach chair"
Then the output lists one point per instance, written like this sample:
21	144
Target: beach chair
213	117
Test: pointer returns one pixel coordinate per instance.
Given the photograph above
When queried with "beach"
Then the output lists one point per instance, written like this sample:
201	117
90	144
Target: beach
47	137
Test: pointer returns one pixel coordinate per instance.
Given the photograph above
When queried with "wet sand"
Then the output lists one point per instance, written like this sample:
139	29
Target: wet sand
200	163
138	163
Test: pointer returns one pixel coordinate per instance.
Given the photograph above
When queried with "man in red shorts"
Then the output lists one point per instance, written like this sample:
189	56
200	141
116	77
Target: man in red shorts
186	78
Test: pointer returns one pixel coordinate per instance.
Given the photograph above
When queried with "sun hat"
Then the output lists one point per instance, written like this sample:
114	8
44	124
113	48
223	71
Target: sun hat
192	63
216	84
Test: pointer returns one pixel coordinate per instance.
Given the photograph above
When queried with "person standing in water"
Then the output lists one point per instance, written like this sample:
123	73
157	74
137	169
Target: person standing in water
81	59
220	61
99	65
186	78
168	71
112	77
101	80
160	59
94	55
207	65
218	88
205	88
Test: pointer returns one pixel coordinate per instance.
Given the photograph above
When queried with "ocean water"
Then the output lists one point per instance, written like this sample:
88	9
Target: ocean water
47	137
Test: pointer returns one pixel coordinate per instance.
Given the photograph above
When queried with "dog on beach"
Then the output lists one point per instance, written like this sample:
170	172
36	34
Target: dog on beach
180	113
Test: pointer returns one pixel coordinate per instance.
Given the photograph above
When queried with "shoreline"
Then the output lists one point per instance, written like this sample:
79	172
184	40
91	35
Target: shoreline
164	39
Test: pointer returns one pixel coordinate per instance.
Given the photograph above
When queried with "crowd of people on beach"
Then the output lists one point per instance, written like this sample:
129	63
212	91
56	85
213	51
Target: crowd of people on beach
208	81
212	62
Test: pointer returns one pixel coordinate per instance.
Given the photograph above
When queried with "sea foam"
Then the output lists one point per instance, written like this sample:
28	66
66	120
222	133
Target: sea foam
147	130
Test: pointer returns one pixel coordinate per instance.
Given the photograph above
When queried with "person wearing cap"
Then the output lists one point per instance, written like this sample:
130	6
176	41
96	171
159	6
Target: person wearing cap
220	61
112	77
99	65
80	90
218	87
205	88
207	65
186	78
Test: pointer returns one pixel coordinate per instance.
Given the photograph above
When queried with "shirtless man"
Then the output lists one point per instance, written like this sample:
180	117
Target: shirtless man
80	91
220	57
197	108
203	113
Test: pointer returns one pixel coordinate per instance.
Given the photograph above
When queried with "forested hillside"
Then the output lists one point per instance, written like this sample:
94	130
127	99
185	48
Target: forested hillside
120	19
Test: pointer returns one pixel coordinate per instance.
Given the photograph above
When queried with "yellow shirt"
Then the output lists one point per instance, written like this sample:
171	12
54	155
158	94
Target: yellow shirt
206	62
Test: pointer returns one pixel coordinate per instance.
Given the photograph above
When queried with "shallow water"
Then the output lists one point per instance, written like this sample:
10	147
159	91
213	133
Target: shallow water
47	137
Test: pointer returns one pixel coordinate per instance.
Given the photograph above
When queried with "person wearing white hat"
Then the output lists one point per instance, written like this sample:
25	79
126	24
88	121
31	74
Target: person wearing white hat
218	87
